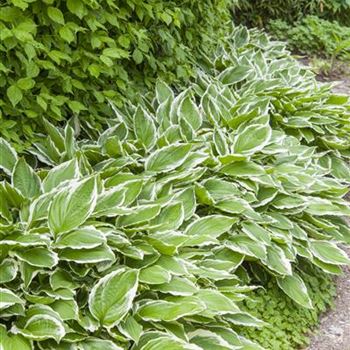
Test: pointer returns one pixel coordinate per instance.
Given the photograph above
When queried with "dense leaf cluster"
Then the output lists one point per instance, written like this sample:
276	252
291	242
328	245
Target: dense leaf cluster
152	235
68	58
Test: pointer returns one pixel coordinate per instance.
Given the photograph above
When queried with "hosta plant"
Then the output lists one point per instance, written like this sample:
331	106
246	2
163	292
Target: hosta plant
154	234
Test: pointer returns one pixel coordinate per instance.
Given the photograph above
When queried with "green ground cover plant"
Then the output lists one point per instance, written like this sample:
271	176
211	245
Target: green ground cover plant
154	234
69	58
289	323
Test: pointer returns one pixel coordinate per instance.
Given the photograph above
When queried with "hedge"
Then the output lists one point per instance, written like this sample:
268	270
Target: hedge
68	58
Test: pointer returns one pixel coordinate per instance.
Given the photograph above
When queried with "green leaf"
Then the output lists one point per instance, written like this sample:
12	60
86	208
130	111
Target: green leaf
177	286
38	256
234	74
163	91
8	157
77	8
208	340
108	202
62	279
190	112
167	158
154	275
328	252
169	342
243	169
101	253
26	83
55	14
25	179
139	215
245	319
114	52
8	270
8	298
83	238
72	206
161	310
277	261
14	94
145	129
131	329
43	326
211	225
170	218
98	344
56	176
252	139
295	288
137	56
66	34
13	341
67	309
216	303
112	297
256	232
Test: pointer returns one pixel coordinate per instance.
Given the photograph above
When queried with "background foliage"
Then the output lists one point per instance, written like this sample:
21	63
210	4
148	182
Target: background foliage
260	12
68	58
314	36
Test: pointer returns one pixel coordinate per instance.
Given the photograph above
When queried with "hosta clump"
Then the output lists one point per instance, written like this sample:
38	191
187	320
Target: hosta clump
151	236
264	80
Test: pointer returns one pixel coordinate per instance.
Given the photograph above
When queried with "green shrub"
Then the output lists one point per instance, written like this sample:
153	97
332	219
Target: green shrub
289	324
314	36
152	235
69	58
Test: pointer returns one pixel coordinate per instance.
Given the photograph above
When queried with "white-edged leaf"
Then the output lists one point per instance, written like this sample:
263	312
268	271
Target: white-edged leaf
8	270
211	225
189	111
83	238
112	296
13	341
169	342
41	327
8	298
154	275
252	139
8	157
167	158
102	253
66	171
161	310
328	252
296	289
37	256
72	206
98	344
144	128
25	180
